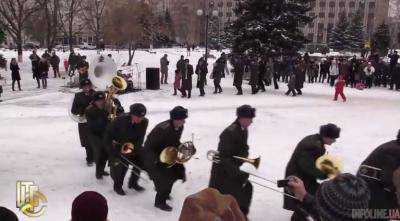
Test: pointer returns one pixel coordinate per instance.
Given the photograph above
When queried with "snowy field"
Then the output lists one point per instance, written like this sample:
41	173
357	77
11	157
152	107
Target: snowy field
39	142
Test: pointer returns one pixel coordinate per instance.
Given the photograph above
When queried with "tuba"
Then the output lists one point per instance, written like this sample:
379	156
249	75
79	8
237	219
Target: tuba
330	165
181	154
103	76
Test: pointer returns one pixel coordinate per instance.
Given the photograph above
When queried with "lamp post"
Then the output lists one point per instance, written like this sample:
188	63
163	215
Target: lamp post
206	12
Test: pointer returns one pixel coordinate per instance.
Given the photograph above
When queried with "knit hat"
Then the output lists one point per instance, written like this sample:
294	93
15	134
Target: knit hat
246	111
85	82
7	215
330	130
336	199
137	109
89	206
178	113
99	96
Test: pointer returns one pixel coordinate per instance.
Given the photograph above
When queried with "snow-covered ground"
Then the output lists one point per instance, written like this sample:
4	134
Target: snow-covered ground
39	142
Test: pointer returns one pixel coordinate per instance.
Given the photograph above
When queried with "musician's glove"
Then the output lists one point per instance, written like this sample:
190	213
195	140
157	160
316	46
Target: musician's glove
296	186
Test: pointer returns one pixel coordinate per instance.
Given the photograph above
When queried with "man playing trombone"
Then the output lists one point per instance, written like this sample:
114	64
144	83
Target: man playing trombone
164	135
81	102
124	138
303	164
226	175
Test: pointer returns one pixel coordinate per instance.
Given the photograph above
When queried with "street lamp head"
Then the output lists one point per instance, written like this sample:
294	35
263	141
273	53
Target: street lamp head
200	12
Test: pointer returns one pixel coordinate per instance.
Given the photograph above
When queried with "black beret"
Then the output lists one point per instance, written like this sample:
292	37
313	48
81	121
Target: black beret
85	82
330	130
137	109
246	111
178	113
99	96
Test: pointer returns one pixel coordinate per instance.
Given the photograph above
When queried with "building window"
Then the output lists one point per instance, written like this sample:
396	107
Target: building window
320	27
320	38
330	26
331	15
312	14
322	15
229	4
310	36
220	4
352	4
322	4
372	5
331	4
220	14
342	4
229	14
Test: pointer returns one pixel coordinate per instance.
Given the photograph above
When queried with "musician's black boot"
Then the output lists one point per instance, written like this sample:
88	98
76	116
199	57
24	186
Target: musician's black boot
118	189
161	203
136	187
104	173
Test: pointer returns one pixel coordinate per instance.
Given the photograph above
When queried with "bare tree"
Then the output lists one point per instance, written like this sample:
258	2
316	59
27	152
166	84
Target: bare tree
49	14
13	17
92	15
394	26
125	24
68	14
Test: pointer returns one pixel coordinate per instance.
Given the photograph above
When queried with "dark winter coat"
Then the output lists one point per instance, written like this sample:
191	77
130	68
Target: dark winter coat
300	77
302	165
254	73
35	59
97	120
15	76
122	131
55	61
164	65
226	175
46	56
394	58
79	105
43	69
262	70
187	78
180	66
201	71
73	60
387	158
163	135
238	71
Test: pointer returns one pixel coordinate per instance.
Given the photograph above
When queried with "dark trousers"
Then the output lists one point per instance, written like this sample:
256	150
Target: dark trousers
254	89
118	170
368	81
163	188
201	89
13	84
332	79
239	89
291	90
99	152
44	82
83	136
262	82
276	78
56	71
217	86
38	82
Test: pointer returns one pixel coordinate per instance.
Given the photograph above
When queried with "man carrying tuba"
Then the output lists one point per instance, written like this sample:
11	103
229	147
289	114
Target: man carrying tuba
302	164
81	102
226	175
165	134
125	136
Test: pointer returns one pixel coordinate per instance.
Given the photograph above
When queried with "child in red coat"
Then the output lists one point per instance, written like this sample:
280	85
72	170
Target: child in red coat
339	87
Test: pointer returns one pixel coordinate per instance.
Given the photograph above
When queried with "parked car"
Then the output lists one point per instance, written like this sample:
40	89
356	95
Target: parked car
86	46
30	45
62	47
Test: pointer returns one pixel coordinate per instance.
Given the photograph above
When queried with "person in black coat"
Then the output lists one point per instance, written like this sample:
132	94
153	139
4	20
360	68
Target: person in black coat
254	75
187	79
129	128
35	59
97	119
165	134
55	64
385	157
15	76
226	175
238	71
81	102
302	164
201	71
262	72
44	71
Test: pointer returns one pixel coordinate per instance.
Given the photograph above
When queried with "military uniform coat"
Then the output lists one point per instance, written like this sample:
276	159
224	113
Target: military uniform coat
79	105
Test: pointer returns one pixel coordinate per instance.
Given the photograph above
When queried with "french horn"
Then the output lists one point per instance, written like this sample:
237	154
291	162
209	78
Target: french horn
181	154
330	165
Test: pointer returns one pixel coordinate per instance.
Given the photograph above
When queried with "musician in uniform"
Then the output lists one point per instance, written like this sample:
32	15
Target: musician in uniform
165	134
81	102
226	175
128	128
379	167
302	165
97	119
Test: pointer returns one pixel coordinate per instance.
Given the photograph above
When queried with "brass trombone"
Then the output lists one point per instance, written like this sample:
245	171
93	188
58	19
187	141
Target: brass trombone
213	155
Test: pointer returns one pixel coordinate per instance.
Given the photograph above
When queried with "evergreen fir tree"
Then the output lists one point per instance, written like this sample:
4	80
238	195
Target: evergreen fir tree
356	33
269	27
381	39
338	38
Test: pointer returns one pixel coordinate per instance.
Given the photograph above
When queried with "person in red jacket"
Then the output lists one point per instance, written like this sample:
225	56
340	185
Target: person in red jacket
339	87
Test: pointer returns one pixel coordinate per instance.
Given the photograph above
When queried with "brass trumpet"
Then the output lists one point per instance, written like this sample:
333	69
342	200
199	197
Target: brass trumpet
213	155
181	154
330	165
127	148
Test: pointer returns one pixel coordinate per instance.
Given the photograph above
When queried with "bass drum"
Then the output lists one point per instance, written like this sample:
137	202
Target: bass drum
101	72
